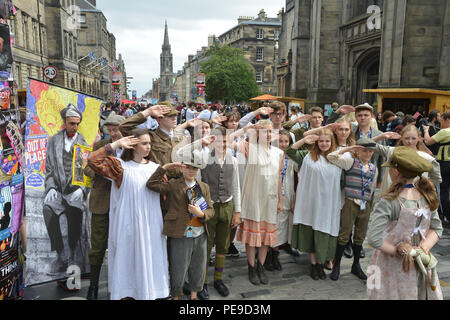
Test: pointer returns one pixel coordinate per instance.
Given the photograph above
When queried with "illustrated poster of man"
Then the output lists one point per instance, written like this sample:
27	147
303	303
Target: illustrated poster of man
62	198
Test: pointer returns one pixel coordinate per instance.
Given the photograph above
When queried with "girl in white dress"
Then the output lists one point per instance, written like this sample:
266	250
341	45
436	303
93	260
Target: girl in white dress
318	201
137	254
261	199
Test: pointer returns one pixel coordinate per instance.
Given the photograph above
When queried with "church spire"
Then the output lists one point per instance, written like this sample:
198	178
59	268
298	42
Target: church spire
166	36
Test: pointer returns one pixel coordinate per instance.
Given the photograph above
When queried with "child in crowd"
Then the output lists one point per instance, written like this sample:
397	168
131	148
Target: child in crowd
222	175
316	221
360	185
190	207
261	199
405	218
409	137
135	219
286	216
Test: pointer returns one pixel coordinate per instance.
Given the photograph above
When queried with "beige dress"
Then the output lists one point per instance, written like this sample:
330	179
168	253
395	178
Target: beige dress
387	280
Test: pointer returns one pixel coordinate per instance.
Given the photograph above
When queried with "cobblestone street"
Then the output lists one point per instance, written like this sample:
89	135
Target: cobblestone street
292	283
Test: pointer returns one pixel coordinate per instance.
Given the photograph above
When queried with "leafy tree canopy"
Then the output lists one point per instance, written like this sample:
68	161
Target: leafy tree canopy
229	77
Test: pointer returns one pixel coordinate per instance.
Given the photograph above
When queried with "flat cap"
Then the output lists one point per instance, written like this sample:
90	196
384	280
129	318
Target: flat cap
364	106
367	143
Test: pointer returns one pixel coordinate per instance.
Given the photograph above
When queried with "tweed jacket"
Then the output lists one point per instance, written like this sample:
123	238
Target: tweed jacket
101	187
177	216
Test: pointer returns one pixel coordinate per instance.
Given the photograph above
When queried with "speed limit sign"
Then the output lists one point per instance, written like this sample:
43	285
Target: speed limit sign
50	72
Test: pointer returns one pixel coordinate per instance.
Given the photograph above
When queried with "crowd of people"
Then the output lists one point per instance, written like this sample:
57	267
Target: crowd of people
172	183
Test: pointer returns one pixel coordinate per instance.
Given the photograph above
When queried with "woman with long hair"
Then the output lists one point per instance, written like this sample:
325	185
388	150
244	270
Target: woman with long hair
137	253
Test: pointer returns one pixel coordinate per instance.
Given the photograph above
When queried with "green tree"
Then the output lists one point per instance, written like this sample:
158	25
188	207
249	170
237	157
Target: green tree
229	77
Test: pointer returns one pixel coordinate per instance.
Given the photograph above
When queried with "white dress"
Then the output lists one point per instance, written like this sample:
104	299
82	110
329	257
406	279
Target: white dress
260	189
137	253
318	198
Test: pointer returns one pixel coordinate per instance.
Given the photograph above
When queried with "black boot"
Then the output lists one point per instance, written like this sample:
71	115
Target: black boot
92	293
320	271
348	249
261	274
203	295
362	255
314	274
337	263
356	267
276	261
268	264
253	274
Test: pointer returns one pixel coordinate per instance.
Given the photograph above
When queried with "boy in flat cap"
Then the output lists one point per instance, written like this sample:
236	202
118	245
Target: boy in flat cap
189	208
405	218
360	184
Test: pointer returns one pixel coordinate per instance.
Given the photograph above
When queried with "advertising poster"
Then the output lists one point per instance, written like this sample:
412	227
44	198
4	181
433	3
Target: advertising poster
80	159
5	95
56	210
11	197
6	58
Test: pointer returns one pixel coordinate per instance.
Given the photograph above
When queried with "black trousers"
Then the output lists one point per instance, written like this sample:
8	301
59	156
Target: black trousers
74	222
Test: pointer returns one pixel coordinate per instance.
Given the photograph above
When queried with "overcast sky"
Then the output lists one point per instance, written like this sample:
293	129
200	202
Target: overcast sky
138	26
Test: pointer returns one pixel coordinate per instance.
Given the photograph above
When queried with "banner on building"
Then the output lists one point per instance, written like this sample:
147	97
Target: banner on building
56	209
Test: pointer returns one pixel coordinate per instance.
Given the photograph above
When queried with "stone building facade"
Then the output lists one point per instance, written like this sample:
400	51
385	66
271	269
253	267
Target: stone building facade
45	33
332	50
258	38
30	43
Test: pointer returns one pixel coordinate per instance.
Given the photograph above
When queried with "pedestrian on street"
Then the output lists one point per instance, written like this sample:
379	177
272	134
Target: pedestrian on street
189	209
137	250
409	137
405	218
443	157
317	220
360	178
222	175
286	217
261	199
99	205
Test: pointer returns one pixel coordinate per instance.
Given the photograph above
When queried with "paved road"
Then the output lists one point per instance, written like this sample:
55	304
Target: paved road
292	283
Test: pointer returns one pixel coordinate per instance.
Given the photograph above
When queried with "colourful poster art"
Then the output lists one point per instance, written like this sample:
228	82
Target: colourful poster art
55	203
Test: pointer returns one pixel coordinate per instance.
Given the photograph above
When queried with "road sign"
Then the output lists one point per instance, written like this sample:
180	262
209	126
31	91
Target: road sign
50	72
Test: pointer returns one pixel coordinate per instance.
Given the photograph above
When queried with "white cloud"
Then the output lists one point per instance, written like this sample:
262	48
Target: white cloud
138	26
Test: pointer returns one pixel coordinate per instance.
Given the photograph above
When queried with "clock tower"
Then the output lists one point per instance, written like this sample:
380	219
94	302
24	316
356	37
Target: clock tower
166	73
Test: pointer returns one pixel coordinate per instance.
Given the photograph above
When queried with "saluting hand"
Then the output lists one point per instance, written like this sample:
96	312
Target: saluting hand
345	109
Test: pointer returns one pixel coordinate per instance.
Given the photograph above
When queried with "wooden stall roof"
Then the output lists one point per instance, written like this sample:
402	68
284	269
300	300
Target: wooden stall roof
409	90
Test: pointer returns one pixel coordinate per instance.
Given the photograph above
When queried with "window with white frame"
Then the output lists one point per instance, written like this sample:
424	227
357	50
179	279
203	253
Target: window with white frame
259	76
260	34
277	35
259	54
